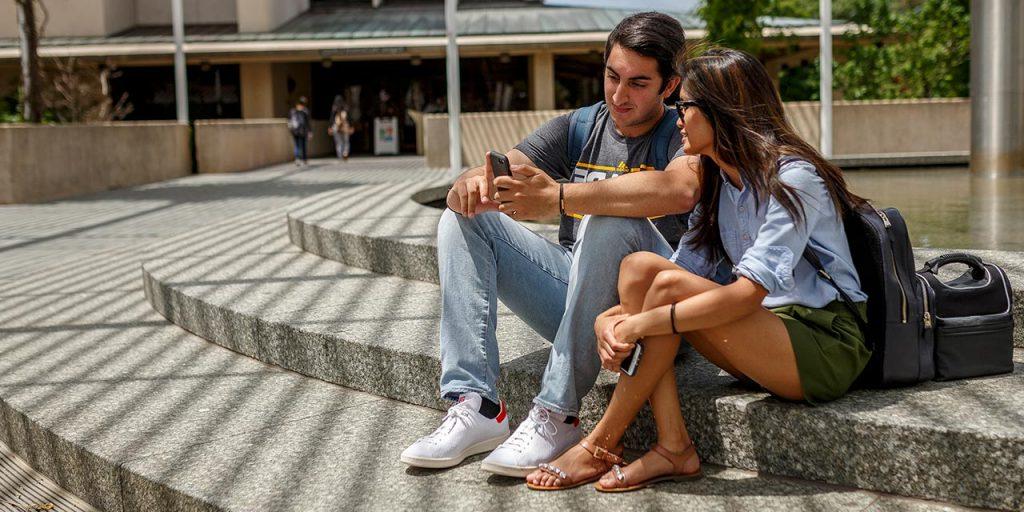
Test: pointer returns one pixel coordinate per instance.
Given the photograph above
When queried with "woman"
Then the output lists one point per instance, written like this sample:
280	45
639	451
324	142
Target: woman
340	128
765	196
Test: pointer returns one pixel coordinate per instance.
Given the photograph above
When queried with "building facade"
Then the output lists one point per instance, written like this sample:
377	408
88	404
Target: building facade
253	59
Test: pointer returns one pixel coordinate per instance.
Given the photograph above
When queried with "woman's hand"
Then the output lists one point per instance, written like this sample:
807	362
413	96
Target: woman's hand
609	347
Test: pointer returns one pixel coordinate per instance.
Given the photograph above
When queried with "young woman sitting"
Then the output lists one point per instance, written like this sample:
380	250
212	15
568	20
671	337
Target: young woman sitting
765	196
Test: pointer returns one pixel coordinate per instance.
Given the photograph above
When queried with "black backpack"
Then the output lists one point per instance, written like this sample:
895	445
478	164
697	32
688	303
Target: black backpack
298	123
898	328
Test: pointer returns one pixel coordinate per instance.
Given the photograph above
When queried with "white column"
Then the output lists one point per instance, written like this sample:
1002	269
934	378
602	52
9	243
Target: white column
180	85
454	86
825	60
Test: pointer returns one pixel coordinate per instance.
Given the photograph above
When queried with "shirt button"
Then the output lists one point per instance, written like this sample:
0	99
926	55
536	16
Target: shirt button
746	238
743	209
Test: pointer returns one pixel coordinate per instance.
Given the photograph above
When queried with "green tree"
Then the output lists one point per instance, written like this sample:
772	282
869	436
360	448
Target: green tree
734	24
904	49
919	50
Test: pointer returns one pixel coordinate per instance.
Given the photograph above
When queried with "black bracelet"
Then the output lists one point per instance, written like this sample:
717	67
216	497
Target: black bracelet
561	199
672	317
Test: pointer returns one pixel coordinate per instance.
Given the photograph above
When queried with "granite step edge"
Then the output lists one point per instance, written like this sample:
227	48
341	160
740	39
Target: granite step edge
731	421
417	259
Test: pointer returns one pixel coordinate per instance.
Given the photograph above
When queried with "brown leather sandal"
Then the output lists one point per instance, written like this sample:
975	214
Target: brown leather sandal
597	452
677	459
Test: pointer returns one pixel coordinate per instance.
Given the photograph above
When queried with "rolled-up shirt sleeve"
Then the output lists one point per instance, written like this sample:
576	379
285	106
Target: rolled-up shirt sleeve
780	241
693	260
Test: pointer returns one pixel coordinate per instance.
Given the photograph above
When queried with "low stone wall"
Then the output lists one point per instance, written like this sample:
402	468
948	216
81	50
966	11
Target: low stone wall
888	126
45	162
234	145
859	128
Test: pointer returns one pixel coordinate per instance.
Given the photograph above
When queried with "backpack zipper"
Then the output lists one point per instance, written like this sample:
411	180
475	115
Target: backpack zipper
927	310
895	271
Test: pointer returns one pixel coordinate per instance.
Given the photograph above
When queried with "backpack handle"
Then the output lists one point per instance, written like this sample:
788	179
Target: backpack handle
977	266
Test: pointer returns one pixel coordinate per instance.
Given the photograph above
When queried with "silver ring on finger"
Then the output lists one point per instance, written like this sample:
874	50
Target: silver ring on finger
513	213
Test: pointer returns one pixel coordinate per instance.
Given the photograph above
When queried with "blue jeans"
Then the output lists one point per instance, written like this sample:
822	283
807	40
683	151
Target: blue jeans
300	147
555	291
342	144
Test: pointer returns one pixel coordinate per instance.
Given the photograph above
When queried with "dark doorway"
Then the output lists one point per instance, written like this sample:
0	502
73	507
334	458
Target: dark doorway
393	88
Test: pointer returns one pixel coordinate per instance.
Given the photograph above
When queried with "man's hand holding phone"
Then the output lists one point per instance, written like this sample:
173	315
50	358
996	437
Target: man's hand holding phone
528	194
474	194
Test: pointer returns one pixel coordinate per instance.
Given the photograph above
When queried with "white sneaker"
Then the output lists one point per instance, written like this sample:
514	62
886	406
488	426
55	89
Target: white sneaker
463	432
541	437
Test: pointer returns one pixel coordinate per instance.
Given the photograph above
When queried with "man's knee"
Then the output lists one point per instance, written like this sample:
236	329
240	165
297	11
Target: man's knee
452	224
600	226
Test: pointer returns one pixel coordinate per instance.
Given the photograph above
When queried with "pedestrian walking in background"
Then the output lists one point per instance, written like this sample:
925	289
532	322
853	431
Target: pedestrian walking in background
299	124
340	128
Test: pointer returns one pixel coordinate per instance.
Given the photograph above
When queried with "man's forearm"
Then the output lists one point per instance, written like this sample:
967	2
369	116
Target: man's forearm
642	194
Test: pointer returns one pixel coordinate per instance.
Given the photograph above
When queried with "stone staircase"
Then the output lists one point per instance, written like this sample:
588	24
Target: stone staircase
128	411
357	306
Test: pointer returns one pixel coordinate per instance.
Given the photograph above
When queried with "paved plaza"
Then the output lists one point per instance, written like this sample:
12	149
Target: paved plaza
267	341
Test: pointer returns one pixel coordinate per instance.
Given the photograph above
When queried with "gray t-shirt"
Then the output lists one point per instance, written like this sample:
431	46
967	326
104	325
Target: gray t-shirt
606	154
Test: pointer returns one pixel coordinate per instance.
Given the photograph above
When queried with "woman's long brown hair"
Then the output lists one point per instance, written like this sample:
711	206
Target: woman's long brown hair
751	133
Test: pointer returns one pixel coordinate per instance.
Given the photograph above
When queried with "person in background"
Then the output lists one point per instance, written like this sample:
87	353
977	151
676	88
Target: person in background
299	125
340	128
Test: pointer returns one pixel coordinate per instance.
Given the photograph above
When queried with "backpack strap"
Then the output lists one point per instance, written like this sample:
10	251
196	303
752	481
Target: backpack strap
812	258
663	135
581	122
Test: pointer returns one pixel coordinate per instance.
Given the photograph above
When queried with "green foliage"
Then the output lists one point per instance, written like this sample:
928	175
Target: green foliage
734	24
919	51
906	49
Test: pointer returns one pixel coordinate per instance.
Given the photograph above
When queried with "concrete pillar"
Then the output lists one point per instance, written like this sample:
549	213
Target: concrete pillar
997	88
257	88
542	81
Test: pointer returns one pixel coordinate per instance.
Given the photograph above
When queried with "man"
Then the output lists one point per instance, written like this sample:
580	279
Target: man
558	289
300	126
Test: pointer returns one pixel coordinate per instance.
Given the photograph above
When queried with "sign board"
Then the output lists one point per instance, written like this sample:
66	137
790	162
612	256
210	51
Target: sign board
385	135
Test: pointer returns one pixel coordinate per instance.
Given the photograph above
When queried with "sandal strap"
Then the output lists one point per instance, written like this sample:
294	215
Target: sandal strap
554	471
601	453
673	457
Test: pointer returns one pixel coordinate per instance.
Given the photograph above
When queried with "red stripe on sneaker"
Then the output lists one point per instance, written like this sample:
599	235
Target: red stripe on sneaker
501	415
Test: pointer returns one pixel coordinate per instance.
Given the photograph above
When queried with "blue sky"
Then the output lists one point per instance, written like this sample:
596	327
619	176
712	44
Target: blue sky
657	5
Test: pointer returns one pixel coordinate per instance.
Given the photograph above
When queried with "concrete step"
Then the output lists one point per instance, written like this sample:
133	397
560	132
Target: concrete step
961	442
132	413
405	244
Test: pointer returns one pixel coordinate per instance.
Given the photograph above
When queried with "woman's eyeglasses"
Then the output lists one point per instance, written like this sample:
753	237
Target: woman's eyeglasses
682	105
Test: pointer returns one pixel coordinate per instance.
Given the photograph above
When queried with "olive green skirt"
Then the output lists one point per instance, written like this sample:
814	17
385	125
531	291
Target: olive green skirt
829	347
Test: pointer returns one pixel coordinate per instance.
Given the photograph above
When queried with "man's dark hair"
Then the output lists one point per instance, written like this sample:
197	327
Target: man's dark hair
303	101
651	34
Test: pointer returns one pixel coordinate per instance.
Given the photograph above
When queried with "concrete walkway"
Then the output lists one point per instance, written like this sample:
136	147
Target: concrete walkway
131	412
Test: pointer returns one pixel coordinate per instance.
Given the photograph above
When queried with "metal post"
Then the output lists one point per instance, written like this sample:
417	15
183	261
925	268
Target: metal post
825	61
454	85
997	88
180	85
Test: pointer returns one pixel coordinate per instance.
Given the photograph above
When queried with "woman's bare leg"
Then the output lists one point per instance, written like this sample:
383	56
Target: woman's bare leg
636	274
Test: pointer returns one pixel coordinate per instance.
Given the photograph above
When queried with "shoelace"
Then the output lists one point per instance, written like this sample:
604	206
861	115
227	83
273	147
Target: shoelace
457	413
542	425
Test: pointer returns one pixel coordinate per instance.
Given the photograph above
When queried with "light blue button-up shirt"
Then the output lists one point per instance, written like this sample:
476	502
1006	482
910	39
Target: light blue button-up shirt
766	246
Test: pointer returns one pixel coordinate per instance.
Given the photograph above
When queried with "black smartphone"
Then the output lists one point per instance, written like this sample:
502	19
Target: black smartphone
632	361
499	164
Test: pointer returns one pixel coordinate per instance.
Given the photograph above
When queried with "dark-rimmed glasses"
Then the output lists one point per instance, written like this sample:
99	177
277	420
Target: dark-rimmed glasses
682	105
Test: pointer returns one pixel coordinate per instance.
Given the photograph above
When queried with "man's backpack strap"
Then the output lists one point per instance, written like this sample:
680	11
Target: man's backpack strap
663	135
581	121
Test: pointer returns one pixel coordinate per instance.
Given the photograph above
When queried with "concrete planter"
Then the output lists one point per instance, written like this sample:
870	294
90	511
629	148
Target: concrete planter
46	162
